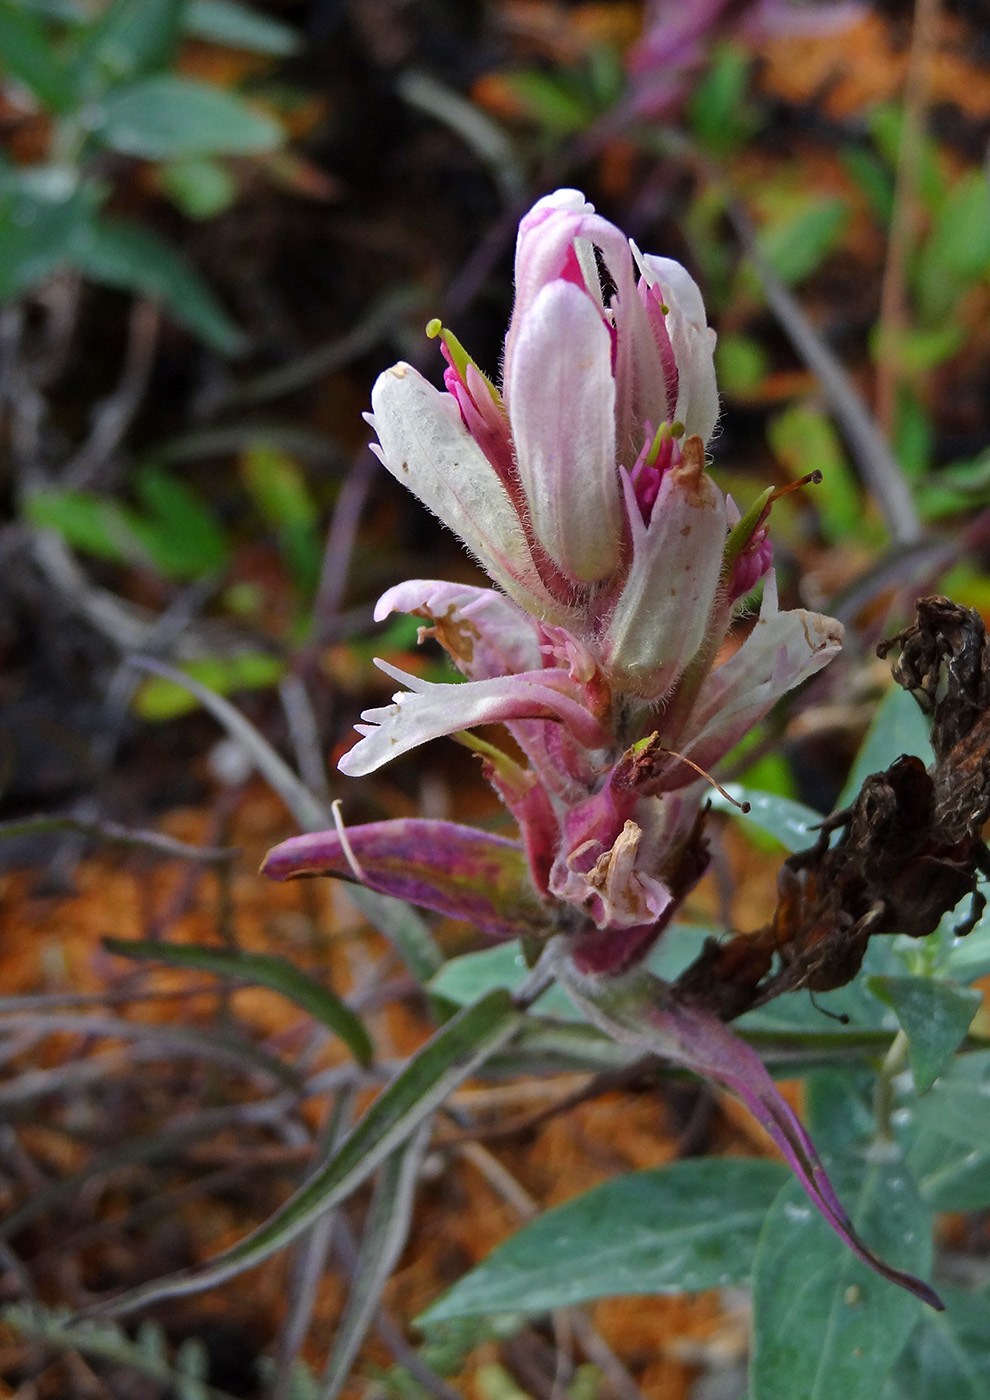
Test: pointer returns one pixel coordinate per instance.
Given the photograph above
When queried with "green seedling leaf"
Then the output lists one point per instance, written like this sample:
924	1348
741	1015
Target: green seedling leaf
236	27
201	188
742	364
123	255
798	239
886	125
93	524
260	970
30	57
675	1229
279	489
552	100
914	435
159	699
450	1057
825	1328
899	727
168	118
386	1230
873	179
934	1015
721	115
957	251
179	533
803	439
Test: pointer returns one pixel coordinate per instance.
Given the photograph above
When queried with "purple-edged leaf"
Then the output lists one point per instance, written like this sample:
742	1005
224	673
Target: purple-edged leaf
642	1010
455	870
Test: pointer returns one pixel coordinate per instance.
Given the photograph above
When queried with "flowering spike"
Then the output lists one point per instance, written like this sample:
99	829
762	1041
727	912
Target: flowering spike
584	493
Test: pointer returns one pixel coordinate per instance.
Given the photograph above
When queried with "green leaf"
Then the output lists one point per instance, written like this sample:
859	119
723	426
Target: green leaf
791	823
179	533
948	1354
552	100
873	178
128	38
741	364
958	1106
281	494
675	1229
948	1137
721	115
934	1015
795	242
803	439
886	125
957	251
261	970
825	1328
160	699
453	1055
462	979
168	117
94	524
201	188
965	959
899	727
43	211
123	255
27	54
237	27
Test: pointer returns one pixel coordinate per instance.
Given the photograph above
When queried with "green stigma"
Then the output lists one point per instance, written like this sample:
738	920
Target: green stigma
662	434
460	357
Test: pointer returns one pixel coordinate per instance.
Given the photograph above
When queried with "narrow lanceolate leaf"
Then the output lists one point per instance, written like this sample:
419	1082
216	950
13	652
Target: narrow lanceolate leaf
385	1233
676	1229
456	870
120	254
165	117
934	1015
262	970
825	1328
452	1056
641	1010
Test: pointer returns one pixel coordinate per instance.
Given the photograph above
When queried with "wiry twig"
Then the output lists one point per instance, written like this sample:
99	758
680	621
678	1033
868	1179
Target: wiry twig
339	548
112	417
310	1261
345	1246
316	364
876	461
116	835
